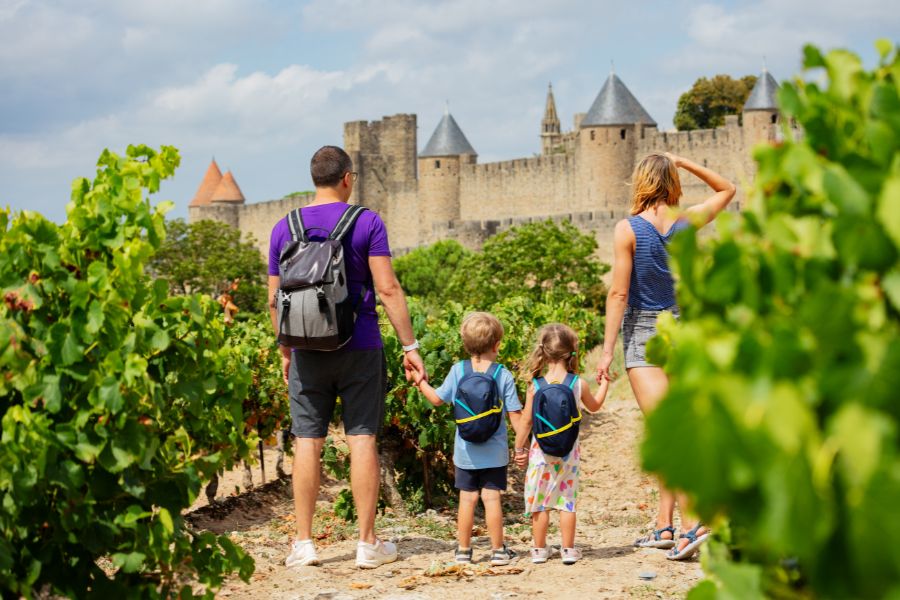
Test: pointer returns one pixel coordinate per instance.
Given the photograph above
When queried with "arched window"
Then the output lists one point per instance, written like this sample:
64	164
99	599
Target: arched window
592	135
622	133
774	119
437	164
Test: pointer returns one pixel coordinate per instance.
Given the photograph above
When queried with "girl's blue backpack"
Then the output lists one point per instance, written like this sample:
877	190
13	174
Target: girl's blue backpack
478	407
556	415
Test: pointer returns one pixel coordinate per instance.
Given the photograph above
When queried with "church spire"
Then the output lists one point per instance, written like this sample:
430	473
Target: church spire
550	129
550	122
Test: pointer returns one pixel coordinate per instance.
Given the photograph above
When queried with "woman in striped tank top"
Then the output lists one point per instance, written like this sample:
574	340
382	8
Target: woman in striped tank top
642	288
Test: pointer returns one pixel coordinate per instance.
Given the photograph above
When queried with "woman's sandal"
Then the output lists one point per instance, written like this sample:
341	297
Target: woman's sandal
693	546
655	539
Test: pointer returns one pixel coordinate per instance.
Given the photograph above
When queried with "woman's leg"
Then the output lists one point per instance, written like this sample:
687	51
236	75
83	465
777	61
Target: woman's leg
649	385
567	522
540	521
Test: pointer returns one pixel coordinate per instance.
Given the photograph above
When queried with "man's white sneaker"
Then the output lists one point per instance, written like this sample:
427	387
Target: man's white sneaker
369	556
303	553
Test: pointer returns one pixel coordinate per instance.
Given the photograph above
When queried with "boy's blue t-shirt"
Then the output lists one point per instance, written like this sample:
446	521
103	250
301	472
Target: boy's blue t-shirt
495	451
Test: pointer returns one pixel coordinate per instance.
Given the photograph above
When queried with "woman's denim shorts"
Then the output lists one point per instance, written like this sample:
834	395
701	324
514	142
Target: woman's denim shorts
638	326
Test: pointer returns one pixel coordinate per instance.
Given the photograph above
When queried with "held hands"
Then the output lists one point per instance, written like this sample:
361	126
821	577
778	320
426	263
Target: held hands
521	457
603	371
414	368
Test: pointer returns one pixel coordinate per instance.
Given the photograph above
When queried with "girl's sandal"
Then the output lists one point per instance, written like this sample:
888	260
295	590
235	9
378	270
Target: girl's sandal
655	539
693	546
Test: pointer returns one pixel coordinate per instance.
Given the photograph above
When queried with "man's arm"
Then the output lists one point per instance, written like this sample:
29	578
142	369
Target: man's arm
274	284
394	301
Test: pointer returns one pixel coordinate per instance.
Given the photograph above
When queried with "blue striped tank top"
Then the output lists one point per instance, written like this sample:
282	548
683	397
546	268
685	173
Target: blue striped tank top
652	286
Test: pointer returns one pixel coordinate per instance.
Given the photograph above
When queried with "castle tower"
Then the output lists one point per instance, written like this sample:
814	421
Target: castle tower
210	180
551	136
607	144
384	155
218	198
439	166
760	116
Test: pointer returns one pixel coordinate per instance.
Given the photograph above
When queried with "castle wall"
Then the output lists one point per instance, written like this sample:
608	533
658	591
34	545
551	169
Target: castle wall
524	187
601	223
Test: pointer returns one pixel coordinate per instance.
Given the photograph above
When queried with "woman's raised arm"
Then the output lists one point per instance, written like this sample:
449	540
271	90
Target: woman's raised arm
724	189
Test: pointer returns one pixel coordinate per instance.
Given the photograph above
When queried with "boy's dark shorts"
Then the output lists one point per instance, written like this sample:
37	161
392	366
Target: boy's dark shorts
315	381
474	480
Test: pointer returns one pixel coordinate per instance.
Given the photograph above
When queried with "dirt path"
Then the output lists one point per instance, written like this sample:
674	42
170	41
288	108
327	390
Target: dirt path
616	503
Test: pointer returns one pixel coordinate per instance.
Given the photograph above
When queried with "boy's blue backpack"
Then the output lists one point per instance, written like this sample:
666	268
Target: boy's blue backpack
478	406
556	415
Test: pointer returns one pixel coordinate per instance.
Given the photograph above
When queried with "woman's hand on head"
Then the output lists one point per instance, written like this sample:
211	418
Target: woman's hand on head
677	160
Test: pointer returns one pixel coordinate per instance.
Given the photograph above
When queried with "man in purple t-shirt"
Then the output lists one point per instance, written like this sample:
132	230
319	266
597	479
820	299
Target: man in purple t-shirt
356	373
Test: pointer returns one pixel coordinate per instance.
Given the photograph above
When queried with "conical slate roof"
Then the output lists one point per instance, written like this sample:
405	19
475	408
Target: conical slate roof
616	105
764	94
447	140
208	185
227	190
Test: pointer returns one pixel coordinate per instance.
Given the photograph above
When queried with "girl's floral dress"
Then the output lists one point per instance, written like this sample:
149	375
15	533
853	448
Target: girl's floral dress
551	482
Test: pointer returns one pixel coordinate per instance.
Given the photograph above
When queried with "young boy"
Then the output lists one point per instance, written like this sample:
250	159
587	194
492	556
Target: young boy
480	467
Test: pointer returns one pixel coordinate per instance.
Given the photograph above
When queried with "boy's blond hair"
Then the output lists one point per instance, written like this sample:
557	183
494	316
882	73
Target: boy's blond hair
480	332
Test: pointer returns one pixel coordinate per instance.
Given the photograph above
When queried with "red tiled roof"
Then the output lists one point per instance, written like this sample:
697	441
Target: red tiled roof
208	185
227	190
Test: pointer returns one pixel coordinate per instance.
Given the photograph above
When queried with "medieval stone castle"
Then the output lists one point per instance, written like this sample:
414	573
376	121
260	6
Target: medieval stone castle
581	175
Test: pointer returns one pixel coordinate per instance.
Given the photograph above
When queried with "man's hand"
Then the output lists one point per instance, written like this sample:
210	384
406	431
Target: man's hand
413	367
285	362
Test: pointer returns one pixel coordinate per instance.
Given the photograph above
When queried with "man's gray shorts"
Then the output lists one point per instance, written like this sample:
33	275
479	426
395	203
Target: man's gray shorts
317	379
638	326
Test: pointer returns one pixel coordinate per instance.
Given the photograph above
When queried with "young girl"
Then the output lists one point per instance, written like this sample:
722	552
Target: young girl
552	482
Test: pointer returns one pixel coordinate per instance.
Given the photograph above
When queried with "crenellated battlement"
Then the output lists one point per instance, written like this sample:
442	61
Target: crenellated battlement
581	176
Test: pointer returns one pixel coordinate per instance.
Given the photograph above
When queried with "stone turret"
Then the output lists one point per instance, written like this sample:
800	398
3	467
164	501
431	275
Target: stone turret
607	144
439	167
761	116
551	135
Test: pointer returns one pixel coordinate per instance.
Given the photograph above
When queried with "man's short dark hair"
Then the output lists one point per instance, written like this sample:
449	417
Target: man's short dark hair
328	165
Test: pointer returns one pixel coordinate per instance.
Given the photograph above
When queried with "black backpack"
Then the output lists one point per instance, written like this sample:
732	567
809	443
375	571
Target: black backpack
478	406
556	415
317	311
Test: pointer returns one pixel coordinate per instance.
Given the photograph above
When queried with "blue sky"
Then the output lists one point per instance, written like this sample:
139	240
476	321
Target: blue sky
261	84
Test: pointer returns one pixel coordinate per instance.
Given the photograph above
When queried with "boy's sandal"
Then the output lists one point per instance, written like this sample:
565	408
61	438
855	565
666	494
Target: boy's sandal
463	557
693	546
656	540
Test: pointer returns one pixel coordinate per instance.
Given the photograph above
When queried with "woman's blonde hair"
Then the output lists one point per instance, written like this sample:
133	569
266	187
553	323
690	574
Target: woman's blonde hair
555	342
655	179
480	332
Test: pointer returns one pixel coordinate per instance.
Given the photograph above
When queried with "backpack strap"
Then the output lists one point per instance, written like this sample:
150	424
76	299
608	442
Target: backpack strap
346	222
295	224
466	367
570	381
